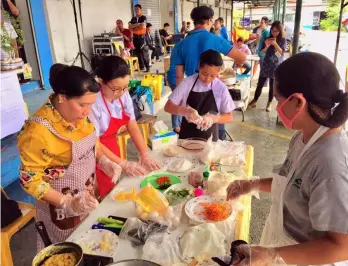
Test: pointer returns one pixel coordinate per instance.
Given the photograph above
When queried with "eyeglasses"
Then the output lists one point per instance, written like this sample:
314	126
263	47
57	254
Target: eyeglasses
117	90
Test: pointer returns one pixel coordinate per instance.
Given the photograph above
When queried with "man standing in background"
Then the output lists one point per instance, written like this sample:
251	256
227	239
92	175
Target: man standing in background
262	34
220	29
138	26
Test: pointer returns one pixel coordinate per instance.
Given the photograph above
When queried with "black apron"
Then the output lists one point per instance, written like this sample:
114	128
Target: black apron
203	102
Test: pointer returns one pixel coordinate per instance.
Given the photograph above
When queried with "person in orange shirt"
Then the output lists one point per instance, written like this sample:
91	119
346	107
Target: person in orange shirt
138	26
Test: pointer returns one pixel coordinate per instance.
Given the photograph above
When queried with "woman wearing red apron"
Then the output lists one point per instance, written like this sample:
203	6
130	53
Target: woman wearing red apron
58	152
112	110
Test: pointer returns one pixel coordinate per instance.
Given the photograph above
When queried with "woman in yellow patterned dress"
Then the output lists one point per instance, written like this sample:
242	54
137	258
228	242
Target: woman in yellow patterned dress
58	152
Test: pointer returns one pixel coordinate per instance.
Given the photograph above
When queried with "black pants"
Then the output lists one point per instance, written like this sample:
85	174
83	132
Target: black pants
260	84
141	51
156	52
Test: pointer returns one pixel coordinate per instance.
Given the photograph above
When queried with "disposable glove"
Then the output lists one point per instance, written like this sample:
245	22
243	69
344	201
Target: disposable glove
191	115
132	168
207	121
148	163
241	187
83	203
110	168
259	256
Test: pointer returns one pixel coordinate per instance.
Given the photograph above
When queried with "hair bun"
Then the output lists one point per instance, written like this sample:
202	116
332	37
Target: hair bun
340	96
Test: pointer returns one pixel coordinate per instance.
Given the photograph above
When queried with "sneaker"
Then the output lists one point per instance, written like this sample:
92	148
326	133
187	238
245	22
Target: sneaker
152	62
269	107
158	60
147	70
142	69
252	104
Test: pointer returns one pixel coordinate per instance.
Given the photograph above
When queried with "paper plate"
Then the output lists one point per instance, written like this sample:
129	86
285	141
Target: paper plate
169	164
194	144
194	209
98	242
152	180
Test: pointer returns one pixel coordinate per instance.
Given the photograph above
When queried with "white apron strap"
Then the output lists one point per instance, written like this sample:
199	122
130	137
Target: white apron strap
273	234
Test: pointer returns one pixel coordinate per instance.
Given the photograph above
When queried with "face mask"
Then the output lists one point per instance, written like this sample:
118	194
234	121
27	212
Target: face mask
288	122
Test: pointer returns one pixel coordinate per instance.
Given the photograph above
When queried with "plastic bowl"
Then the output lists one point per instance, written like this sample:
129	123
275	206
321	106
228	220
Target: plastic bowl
194	144
119	190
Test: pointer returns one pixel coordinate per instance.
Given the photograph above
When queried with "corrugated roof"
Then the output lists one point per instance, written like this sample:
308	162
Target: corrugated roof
256	2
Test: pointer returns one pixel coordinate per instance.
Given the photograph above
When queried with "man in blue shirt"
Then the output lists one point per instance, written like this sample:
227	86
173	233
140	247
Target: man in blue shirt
198	41
220	29
171	78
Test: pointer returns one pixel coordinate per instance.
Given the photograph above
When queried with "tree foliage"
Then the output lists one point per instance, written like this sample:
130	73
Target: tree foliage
333	14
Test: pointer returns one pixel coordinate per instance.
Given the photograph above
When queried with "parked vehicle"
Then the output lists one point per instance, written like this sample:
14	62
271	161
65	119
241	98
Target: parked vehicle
345	21
289	34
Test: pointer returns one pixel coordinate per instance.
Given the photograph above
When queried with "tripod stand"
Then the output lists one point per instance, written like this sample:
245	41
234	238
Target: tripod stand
80	53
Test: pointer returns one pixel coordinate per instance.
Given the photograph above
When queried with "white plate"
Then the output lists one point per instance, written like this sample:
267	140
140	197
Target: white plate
179	186
91	240
168	164
193	208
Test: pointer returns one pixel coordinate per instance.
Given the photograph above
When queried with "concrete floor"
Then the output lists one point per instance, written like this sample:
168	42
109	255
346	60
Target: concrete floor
260	130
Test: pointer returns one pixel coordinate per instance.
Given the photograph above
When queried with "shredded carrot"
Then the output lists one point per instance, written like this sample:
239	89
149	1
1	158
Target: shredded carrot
216	211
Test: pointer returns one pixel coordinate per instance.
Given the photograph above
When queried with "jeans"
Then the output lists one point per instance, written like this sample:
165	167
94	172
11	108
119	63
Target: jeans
260	84
222	133
247	67
156	52
176	119
142	51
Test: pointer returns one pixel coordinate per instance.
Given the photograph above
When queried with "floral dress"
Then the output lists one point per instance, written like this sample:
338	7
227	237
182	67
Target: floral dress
44	156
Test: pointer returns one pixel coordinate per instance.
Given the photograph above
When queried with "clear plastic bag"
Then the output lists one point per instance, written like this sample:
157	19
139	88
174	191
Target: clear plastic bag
202	242
224	152
161	249
137	232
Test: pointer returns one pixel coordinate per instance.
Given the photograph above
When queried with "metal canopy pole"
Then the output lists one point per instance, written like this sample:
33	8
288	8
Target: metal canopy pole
198	2
339	31
284	11
226	17
231	17
279	5
297	26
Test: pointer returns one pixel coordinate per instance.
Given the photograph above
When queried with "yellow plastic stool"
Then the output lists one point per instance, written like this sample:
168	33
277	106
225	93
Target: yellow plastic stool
28	211
131	61
122	140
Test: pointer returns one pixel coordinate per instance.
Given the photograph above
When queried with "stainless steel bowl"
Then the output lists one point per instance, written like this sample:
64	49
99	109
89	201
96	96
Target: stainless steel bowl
134	263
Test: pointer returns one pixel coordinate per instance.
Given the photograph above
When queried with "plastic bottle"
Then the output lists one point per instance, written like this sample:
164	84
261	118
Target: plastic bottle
205	179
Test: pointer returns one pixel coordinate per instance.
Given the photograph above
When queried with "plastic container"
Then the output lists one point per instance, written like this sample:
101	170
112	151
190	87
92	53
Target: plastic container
123	194
205	179
196	179
151	200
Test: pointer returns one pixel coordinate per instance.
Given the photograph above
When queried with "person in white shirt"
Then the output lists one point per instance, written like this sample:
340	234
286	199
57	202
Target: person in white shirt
113	109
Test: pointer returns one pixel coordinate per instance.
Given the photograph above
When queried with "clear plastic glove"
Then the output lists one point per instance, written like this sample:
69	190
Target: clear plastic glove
110	168
132	168
191	115
83	203
241	187
148	163
259	256
207	121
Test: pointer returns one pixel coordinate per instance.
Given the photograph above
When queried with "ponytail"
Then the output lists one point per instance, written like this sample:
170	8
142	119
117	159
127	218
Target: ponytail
339	113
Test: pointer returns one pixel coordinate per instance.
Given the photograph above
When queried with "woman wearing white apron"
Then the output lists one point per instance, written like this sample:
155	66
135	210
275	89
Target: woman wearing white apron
58	152
307	224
